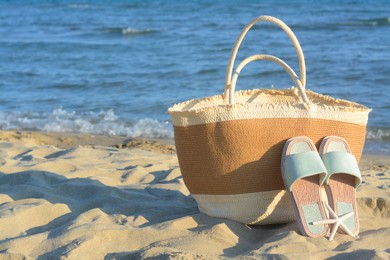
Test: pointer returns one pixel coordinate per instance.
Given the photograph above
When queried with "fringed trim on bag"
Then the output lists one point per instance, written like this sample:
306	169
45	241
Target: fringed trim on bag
266	103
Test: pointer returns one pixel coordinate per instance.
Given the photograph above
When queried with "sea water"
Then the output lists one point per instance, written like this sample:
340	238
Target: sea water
115	67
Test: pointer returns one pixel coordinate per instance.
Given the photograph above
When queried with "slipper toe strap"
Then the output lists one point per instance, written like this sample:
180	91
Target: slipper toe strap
301	165
342	162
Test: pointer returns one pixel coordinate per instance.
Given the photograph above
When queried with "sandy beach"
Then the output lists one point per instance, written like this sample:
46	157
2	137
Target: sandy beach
74	196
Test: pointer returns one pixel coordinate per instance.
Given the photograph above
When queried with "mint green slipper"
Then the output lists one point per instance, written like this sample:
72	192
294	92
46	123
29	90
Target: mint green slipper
341	182
303	174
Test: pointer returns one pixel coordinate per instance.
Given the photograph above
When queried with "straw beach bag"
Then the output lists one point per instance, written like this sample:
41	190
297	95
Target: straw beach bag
229	146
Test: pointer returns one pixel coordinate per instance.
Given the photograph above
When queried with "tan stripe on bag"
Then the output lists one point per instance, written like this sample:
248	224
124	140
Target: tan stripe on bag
215	159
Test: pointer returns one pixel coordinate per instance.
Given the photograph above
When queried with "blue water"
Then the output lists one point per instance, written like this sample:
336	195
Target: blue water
115	68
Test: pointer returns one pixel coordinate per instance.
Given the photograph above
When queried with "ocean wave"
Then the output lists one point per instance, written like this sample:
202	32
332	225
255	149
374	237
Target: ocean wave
78	6
330	26
378	134
369	22
107	122
103	122
129	31
126	31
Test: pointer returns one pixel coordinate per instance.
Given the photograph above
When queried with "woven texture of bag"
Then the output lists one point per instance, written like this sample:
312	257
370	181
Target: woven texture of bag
229	146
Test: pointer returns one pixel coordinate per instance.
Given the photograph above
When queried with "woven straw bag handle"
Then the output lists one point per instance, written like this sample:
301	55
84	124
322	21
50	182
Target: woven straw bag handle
240	38
290	71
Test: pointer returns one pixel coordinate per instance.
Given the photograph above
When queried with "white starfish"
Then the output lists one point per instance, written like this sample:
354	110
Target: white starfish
337	221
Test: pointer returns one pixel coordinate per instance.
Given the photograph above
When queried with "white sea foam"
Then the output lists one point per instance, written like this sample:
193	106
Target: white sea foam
130	31
104	122
378	134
